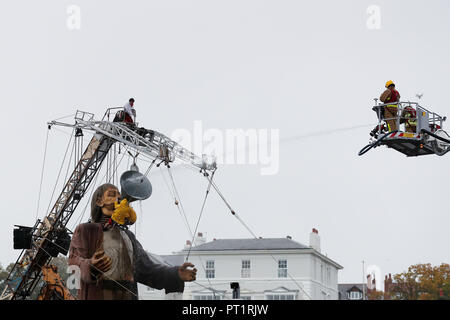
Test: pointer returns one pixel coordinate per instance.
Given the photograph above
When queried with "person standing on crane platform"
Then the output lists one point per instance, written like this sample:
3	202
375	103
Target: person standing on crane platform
391	96
129	112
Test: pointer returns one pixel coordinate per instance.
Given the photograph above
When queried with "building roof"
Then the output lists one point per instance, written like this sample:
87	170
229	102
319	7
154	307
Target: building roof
262	244
168	260
249	244
346	287
173	260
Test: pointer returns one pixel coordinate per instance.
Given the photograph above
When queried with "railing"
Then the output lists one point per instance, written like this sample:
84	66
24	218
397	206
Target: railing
433	118
107	115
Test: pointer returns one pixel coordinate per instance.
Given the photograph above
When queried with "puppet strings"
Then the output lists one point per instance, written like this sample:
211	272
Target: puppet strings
253	234
201	213
176	195
42	174
177	201
213	184
92	190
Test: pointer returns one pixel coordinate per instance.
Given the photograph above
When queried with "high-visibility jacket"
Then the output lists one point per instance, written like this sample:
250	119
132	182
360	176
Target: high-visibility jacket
410	116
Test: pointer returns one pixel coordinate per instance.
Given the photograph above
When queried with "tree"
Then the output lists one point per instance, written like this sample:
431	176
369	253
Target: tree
375	295
422	282
4	275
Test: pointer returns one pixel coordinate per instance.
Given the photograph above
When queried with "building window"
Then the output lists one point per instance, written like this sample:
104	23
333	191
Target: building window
245	271
355	295
210	271
280	296
282	268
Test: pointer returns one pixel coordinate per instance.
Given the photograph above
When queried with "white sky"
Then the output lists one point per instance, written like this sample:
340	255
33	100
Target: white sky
299	67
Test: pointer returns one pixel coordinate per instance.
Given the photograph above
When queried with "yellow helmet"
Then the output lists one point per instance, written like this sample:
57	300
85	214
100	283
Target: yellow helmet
390	82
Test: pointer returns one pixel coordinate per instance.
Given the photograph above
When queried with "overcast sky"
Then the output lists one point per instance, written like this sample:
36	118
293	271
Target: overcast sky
300	67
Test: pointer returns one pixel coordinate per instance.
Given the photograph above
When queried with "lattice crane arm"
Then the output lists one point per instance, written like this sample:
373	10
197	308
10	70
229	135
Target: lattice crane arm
149	142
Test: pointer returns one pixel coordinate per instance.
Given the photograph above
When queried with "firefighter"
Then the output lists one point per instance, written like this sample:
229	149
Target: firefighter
409	116
392	97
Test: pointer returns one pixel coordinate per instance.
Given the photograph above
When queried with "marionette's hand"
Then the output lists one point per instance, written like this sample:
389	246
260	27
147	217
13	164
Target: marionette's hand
185	273
100	261
123	213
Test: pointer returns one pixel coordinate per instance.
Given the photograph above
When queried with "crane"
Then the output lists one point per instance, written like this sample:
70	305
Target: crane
49	236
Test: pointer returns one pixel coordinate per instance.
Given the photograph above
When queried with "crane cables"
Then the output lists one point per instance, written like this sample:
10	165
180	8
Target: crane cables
233	212
179	204
201	212
94	183
59	173
253	234
42	173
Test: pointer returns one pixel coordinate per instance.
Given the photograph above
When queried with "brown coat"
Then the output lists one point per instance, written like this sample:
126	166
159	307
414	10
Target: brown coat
88	237
385	96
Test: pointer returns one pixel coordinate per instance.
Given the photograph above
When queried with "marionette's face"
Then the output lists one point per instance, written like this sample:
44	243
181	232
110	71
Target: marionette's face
107	201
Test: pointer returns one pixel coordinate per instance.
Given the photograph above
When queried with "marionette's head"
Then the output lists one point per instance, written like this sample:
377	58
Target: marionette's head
103	201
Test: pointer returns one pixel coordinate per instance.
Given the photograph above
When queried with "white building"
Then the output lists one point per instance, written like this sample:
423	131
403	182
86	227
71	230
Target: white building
277	268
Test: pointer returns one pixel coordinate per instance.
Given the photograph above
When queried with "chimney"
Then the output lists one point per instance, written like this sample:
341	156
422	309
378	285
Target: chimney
187	245
199	239
314	240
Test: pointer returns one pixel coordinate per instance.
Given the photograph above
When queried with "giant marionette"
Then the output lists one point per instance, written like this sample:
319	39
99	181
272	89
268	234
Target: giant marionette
110	258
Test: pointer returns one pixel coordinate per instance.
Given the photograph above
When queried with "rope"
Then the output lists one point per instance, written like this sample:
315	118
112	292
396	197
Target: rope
91	186
324	132
253	234
186	223
42	174
59	173
177	195
87	203
192	235
150	167
68	163
200	215
71	115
